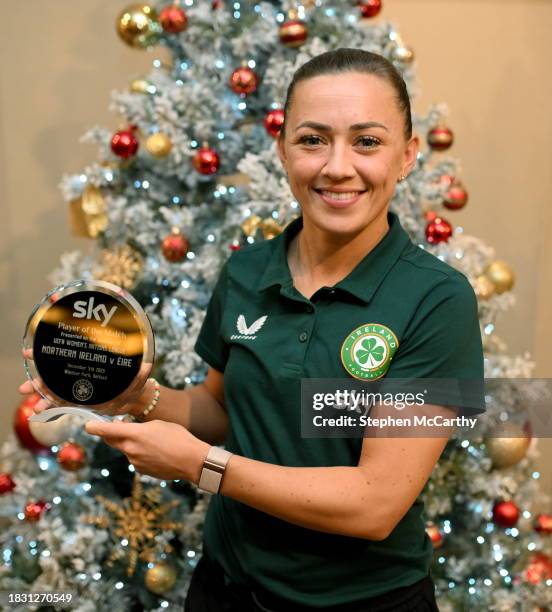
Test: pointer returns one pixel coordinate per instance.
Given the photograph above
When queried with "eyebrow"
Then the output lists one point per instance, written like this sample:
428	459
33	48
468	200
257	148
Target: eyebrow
353	128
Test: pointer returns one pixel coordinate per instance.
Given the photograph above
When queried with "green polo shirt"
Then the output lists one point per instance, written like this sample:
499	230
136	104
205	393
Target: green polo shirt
265	336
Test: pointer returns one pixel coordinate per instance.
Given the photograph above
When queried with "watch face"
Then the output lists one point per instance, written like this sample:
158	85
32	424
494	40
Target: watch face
89	344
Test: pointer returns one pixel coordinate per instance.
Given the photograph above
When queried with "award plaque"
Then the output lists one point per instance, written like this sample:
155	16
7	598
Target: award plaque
88	349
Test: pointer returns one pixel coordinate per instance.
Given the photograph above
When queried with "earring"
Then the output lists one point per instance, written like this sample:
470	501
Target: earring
401	178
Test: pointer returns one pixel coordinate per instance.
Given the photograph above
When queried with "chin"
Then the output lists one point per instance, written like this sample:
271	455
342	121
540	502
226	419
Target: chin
337	223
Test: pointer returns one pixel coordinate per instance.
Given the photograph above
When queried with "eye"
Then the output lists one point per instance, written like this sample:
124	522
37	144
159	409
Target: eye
372	140
304	139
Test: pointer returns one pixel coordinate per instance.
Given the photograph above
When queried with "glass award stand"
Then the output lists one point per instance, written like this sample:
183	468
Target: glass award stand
88	349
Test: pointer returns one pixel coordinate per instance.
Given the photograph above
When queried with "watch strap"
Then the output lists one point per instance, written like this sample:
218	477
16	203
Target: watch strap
213	469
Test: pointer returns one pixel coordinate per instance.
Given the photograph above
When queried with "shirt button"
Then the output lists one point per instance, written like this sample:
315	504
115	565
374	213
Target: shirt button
310	309
303	336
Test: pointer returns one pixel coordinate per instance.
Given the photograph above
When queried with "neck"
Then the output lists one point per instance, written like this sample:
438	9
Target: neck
317	255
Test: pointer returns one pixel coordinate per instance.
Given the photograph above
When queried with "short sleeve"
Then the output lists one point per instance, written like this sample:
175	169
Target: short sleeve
443	341
210	345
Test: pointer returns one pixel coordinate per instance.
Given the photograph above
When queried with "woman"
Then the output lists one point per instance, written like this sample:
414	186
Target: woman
316	523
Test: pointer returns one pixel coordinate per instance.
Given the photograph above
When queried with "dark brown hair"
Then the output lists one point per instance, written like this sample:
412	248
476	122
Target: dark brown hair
353	60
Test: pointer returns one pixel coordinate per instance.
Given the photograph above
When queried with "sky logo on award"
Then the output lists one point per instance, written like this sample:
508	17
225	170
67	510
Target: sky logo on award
86	310
367	351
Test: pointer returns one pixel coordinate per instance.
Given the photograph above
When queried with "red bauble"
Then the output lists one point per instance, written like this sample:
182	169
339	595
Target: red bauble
273	121
7	483
21	425
370	8
175	246
34	510
505	514
435	535
173	19
71	456
438	230
243	80
293	33
456	196
235	247
206	160
539	568
543	524
216	4
440	138
124	144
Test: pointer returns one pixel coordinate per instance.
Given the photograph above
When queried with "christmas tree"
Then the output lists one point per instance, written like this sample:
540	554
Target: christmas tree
191	174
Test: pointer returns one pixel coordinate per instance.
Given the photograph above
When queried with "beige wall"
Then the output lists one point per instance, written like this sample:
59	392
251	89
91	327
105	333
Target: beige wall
488	60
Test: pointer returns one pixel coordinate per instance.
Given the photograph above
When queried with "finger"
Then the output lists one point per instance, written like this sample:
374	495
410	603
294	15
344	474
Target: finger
114	429
27	353
26	387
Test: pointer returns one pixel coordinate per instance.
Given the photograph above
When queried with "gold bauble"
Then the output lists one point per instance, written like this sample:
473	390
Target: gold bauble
160	578
87	214
138	26
501	275
484	287
270	228
507	444
404	55
250	225
140	86
159	144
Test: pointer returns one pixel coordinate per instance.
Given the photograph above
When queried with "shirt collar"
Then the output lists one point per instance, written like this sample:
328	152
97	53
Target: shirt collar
362	281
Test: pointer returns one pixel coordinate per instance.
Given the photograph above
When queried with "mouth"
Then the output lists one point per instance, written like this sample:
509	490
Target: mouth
339	199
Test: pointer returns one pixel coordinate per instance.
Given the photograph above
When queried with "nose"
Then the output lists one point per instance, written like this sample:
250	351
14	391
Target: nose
339	163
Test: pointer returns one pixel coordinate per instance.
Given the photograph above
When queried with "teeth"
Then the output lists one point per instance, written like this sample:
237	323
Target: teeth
349	195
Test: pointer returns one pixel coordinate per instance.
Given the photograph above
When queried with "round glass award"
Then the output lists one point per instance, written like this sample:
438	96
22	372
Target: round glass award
88	349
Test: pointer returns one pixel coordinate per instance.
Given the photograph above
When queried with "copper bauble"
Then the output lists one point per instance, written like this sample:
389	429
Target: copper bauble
293	33
440	138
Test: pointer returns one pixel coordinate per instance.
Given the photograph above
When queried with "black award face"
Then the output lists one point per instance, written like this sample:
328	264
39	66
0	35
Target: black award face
89	344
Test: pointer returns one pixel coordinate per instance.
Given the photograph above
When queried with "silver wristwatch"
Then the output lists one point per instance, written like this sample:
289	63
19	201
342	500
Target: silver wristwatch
213	469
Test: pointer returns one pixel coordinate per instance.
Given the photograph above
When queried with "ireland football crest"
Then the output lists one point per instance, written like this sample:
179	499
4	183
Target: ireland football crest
367	351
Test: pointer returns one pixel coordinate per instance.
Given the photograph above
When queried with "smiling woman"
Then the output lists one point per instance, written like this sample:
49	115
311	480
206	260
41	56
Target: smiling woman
342	276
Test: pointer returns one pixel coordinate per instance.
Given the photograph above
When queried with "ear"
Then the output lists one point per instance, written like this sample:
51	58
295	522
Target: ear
410	155
281	151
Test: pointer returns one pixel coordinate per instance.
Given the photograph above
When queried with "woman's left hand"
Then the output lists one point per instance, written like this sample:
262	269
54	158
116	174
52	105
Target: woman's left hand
156	448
